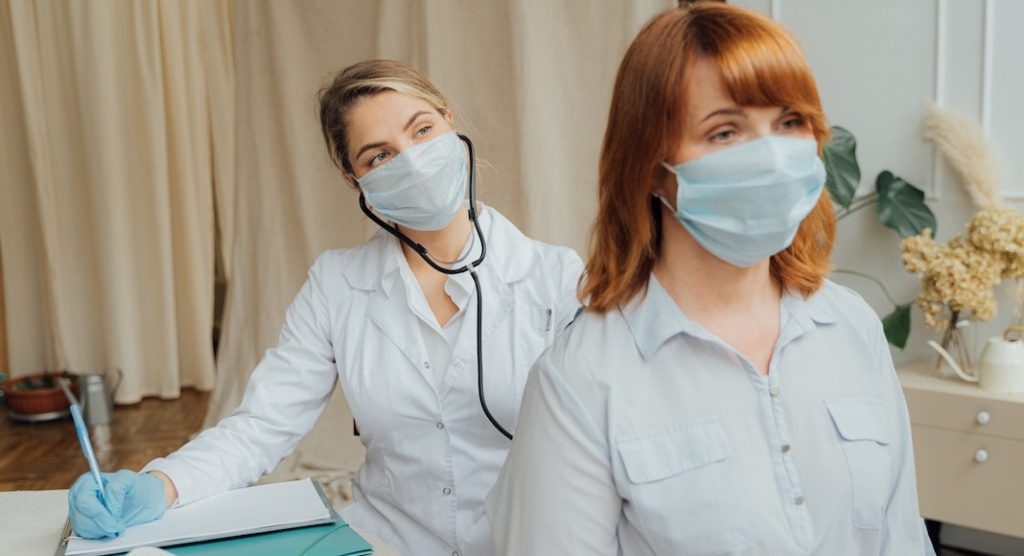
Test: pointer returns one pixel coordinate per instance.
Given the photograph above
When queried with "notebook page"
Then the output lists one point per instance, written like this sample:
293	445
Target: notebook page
255	509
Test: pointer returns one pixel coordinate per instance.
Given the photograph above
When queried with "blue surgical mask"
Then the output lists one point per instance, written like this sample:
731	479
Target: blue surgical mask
745	203
423	186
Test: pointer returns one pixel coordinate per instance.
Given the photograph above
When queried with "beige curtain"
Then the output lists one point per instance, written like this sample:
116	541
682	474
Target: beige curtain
530	81
131	130
116	138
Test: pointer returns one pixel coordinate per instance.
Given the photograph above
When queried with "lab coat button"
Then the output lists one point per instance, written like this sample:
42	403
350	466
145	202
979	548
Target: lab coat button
455	553
786	448
439	425
799	500
457	363
426	364
774	390
446	491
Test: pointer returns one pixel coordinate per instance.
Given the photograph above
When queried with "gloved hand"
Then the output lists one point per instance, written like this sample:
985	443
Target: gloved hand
131	499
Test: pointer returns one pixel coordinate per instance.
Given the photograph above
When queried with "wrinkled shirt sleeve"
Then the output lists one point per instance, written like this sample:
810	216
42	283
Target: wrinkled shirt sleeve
555	494
286	394
903	530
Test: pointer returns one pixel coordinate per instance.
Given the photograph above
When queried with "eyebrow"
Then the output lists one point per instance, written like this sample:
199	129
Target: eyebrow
413	119
738	112
723	112
381	144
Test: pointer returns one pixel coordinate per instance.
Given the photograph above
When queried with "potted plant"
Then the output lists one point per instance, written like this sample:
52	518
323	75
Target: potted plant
898	204
38	393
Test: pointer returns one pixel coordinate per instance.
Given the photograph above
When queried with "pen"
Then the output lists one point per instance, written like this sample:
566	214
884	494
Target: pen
83	437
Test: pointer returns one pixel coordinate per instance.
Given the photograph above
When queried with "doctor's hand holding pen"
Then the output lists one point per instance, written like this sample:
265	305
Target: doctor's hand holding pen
105	504
126	499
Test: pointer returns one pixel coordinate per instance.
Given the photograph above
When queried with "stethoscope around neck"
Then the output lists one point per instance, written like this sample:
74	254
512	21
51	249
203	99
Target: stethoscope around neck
469	267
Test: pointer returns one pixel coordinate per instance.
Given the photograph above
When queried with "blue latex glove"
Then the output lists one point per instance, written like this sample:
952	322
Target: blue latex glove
131	499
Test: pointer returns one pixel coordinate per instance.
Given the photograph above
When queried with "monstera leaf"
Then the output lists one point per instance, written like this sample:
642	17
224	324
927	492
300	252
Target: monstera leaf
840	156
901	206
897	325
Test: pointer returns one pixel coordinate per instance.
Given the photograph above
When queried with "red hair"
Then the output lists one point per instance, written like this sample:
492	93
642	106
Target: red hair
762	65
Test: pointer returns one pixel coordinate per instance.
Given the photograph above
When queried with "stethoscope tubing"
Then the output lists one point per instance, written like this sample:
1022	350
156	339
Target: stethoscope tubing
469	267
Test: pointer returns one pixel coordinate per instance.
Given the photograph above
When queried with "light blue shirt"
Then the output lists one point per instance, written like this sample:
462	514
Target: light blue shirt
643	433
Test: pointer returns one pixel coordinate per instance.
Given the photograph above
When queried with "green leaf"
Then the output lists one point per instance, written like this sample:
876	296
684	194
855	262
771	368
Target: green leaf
840	157
897	325
901	206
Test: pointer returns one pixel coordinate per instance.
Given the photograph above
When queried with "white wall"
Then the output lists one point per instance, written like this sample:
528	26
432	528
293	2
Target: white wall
877	62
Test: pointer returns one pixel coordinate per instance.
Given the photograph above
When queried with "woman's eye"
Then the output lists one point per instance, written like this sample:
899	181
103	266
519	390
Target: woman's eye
723	136
424	130
378	158
793	123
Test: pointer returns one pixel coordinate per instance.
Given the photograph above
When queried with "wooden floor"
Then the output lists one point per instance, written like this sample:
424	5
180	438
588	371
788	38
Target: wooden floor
43	456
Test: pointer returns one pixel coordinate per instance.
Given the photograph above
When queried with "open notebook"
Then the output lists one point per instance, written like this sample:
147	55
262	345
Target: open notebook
246	511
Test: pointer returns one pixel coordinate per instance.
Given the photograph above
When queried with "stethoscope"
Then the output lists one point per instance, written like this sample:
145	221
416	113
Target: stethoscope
469	267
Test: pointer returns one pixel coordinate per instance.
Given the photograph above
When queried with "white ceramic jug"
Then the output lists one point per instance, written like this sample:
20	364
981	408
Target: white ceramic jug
1001	368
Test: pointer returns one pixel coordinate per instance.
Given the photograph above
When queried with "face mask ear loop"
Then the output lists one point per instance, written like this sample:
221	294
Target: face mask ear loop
661	198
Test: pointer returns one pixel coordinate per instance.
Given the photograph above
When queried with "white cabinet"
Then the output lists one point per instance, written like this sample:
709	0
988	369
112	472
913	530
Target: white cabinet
969	451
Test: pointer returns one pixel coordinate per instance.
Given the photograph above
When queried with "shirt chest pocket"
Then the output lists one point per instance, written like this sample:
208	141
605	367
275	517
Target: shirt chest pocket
684	489
865	438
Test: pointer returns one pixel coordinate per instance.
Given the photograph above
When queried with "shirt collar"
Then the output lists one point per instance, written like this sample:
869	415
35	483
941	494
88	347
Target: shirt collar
654	318
809	311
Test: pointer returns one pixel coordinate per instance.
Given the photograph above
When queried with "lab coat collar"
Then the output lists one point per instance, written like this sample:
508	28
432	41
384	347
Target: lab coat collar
654	318
377	262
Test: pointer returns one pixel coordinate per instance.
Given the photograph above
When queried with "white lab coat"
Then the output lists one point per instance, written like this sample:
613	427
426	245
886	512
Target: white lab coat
431	455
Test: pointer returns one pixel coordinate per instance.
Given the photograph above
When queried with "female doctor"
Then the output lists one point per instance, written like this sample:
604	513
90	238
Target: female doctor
719	396
400	335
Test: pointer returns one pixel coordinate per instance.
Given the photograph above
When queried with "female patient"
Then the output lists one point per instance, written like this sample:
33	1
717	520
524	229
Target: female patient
719	396
399	335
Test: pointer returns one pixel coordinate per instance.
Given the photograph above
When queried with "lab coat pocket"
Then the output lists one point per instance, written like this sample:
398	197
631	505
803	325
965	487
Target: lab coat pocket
865	439
533	331
684	488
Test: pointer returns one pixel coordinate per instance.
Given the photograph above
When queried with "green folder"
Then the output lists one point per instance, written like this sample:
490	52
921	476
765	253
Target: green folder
332	539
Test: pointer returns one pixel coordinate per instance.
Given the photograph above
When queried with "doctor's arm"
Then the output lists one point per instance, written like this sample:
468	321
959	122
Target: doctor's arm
285	395
903	530
555	494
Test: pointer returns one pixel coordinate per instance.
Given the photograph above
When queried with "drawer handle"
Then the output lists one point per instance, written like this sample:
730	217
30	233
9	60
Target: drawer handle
981	456
983	418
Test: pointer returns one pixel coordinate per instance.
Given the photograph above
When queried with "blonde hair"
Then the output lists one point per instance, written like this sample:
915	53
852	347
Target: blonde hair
366	79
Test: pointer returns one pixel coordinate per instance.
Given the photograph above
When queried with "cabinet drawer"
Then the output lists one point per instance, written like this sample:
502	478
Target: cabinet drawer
953	487
960	413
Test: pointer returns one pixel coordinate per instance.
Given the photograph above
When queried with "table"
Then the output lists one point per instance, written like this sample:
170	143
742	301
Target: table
968	450
31	522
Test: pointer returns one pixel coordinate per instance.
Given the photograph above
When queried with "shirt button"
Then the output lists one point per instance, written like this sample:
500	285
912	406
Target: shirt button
446	491
799	500
786	448
774	390
456	363
439	425
426	364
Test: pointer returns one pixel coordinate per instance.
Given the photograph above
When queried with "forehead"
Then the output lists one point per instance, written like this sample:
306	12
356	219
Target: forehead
705	89
374	116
